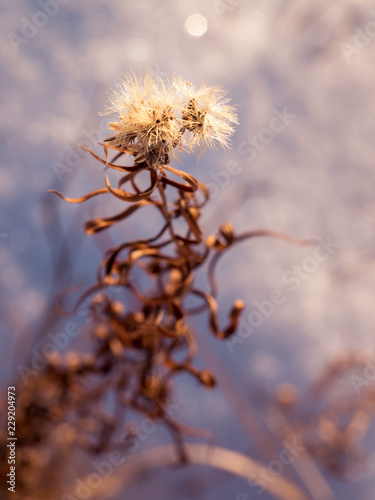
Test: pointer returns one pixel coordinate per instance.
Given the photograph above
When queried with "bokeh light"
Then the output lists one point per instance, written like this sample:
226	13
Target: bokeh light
196	25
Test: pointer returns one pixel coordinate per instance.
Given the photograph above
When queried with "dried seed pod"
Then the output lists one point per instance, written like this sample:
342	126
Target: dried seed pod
207	379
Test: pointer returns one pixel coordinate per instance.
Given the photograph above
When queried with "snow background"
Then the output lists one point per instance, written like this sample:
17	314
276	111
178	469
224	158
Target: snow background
315	179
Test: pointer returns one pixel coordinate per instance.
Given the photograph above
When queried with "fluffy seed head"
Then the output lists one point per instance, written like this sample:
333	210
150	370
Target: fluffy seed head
207	117
155	119
146	124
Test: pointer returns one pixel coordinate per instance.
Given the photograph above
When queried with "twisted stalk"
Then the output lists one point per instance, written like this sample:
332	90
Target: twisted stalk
135	354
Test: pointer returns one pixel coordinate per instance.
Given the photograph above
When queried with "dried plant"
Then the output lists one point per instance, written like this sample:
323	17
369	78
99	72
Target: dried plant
334	417
136	353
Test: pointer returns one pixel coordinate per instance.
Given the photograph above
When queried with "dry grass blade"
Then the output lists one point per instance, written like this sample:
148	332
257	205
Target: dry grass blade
213	456
304	466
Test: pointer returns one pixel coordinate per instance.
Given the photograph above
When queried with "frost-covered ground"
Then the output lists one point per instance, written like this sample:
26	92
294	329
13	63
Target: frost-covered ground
309	174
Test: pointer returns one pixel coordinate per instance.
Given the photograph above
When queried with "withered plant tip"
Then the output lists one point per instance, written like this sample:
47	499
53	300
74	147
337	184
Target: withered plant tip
136	353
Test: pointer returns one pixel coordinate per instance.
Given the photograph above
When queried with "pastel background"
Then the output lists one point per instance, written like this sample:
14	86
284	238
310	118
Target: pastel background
311	63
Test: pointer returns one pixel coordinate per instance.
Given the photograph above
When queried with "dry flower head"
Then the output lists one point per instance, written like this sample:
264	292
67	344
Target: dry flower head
156	118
